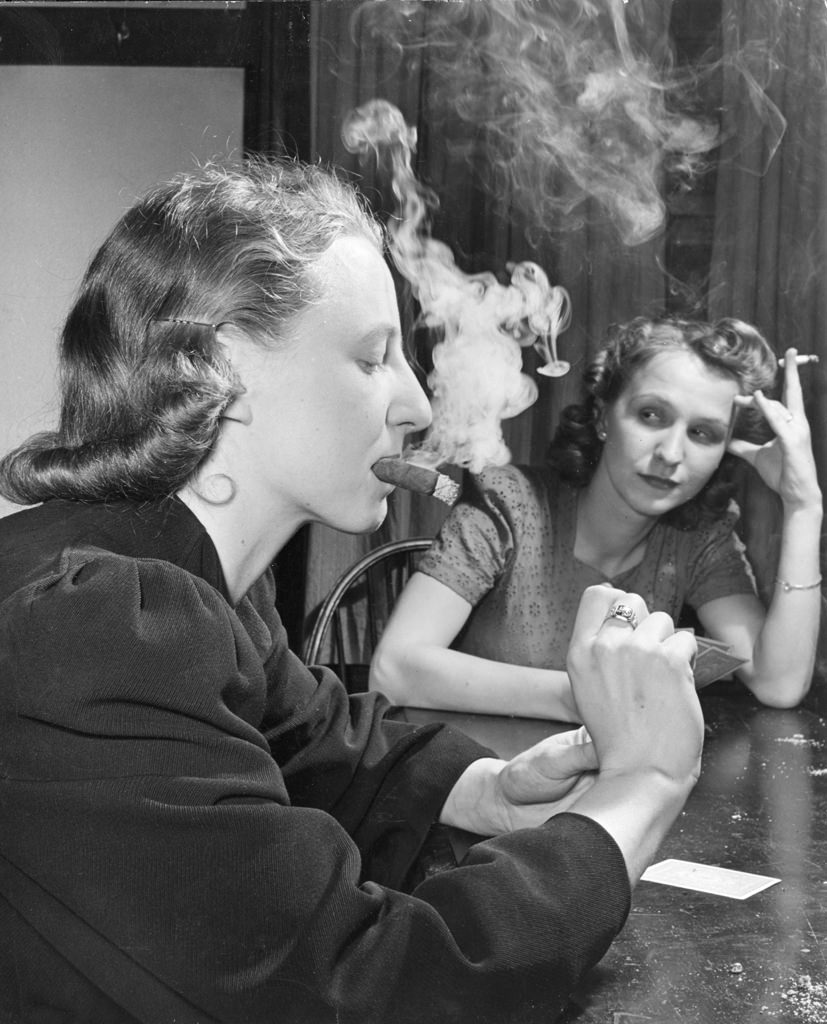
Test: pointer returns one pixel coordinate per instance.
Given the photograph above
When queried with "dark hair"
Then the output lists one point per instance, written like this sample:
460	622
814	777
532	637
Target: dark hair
143	381
727	347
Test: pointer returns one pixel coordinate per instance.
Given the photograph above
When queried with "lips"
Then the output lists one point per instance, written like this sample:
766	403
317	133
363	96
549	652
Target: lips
659	483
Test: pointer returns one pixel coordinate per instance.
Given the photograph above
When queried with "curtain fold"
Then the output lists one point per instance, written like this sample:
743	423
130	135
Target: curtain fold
770	242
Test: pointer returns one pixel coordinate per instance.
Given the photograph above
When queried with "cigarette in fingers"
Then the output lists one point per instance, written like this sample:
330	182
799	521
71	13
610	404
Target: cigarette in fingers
417	478
801	360
733	417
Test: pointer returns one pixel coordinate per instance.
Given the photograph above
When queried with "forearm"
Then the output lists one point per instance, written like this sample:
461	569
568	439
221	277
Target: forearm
437	677
637	810
636	807
539	905
784	652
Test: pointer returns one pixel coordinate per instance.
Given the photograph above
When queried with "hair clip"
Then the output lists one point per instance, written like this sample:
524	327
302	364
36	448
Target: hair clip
181	320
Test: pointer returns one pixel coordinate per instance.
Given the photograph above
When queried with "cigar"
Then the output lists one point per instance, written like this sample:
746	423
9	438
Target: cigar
801	360
417	478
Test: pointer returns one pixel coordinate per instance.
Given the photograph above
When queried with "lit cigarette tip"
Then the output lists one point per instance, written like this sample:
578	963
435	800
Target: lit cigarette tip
417	478
801	360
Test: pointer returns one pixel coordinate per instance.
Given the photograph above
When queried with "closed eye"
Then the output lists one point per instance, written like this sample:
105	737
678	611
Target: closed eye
374	357
372	365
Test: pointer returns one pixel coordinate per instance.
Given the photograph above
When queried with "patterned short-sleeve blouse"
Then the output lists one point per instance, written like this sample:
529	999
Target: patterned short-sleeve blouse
508	549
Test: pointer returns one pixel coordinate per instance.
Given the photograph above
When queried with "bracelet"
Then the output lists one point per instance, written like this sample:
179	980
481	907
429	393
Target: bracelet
787	587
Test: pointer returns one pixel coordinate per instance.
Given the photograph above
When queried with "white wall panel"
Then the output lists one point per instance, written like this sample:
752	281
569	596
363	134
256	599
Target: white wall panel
77	145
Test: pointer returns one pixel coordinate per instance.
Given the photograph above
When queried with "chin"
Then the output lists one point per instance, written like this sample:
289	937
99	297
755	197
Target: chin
371	520
661	508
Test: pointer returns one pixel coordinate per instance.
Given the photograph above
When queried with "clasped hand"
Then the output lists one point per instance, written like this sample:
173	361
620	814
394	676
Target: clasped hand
630	685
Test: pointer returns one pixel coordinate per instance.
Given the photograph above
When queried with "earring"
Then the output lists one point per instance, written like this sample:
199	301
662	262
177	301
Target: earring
217	489
601	434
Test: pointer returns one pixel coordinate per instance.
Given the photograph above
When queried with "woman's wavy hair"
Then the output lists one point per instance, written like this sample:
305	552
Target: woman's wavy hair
728	347
143	383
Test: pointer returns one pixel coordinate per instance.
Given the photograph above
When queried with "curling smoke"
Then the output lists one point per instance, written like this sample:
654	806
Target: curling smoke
569	103
477	379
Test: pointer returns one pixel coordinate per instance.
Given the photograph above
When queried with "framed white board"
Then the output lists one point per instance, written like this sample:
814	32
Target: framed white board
79	144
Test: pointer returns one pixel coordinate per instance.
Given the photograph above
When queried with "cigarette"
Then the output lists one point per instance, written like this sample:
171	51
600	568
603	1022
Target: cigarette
733	416
417	478
801	360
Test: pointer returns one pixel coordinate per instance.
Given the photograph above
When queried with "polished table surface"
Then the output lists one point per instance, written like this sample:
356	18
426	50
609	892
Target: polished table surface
760	806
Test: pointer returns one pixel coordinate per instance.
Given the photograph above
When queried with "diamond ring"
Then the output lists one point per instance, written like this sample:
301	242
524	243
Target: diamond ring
624	613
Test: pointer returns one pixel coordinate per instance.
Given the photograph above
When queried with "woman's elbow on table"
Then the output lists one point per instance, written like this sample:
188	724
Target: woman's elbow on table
784	692
387	673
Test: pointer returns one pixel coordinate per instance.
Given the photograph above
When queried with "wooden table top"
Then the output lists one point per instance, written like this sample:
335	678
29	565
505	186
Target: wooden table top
760	806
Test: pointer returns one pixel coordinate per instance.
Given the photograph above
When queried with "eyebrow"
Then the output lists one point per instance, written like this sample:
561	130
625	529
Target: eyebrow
711	420
382	332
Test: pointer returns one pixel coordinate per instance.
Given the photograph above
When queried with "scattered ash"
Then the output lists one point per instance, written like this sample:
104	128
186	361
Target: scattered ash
807	999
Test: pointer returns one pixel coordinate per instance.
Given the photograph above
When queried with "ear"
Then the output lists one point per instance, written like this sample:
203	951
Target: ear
600	420
234	347
239	411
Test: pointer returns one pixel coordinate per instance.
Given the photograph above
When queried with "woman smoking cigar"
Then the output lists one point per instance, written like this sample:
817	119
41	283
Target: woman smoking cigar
197	827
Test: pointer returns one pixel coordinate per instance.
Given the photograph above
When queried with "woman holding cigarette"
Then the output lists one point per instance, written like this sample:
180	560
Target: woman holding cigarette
195	826
635	494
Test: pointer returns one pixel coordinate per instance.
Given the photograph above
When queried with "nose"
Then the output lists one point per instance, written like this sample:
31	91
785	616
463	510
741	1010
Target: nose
669	446
410	407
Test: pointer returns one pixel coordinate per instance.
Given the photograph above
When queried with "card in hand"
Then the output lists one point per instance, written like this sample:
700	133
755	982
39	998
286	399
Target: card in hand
713	661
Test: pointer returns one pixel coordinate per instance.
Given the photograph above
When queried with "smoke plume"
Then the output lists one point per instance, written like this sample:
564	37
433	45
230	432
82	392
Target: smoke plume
576	100
477	379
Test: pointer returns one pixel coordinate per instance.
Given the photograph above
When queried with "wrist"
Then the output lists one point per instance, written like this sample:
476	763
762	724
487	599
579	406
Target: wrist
637	808
472	803
808	510
657	782
655	795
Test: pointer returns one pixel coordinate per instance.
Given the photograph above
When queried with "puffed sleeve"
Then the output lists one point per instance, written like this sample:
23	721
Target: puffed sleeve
149	811
477	541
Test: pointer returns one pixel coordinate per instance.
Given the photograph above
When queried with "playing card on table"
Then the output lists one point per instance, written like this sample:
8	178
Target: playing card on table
685	874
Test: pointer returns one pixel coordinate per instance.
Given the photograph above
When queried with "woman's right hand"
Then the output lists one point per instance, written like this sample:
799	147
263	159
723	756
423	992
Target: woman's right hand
643	734
634	687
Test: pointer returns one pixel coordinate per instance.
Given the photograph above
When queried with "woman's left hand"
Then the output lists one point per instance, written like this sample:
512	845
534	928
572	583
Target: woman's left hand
493	796
786	463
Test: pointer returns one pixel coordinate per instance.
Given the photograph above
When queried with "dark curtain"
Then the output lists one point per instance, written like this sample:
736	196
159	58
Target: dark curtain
277	61
770	241
608	281
277	122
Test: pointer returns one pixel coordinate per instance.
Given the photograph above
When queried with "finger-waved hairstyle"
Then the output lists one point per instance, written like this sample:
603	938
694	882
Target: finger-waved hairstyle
143	383
731	348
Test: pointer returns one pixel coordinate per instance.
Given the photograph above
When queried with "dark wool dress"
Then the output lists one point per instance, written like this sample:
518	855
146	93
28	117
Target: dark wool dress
196	827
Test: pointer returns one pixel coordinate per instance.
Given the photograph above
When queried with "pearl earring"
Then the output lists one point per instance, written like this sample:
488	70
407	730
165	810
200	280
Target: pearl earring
601	434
